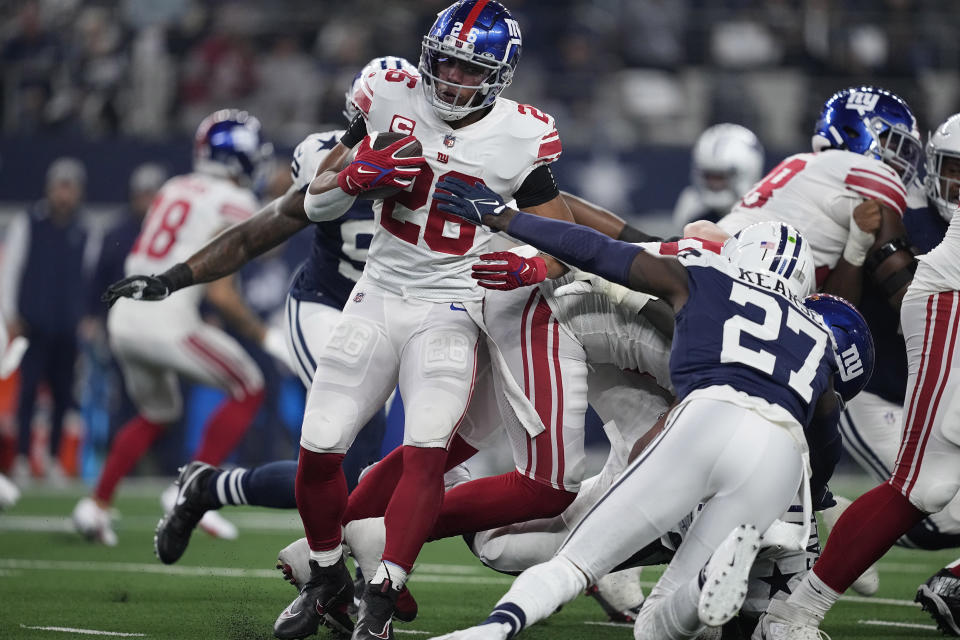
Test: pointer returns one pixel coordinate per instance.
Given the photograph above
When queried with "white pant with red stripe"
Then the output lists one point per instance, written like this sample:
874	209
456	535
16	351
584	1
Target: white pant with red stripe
549	365
380	338
927	471
155	341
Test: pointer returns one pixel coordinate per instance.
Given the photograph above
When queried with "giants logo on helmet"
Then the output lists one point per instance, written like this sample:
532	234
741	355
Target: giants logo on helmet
862	101
851	364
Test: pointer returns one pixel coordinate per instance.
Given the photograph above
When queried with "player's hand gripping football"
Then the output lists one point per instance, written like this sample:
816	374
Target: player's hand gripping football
504	271
467	201
137	288
372	168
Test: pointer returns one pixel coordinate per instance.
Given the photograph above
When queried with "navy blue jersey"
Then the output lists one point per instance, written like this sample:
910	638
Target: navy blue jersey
340	246
925	229
743	329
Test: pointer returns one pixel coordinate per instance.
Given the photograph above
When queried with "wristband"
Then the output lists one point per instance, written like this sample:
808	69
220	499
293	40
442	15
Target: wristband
858	244
876	258
176	277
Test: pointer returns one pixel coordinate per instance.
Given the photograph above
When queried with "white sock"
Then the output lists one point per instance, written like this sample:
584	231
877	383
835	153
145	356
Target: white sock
539	590
392	572
673	617
814	596
327	558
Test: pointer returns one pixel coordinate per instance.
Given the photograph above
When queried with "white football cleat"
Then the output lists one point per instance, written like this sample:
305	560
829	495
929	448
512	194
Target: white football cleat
94	523
9	493
619	594
492	631
212	522
724	578
869	582
293	561
786	621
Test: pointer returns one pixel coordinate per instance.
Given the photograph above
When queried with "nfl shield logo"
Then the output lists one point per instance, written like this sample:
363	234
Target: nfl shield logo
358	297
449	140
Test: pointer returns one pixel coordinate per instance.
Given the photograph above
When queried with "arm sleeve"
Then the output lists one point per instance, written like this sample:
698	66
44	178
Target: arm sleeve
577	246
538	187
15	246
826	447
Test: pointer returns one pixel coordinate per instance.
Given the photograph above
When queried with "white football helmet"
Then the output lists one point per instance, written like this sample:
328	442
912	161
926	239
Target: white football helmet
776	247
727	161
943	167
350	110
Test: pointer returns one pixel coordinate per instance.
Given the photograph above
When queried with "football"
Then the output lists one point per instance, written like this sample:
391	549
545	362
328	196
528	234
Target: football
382	141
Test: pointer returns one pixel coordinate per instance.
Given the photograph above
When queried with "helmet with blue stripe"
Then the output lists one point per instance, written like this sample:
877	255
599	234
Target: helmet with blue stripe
776	247
350	110
482	39
228	143
852	342
872	122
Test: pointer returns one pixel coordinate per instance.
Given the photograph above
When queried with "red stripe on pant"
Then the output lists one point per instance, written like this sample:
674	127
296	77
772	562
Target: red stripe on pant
525	319
208	352
547	392
940	336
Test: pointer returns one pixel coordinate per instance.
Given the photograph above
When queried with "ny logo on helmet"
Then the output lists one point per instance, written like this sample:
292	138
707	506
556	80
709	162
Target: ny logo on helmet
862	102
851	365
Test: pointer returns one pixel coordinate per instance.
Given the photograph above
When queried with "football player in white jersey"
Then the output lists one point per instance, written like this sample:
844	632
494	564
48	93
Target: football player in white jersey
727	160
416	313
157	342
847	197
926	476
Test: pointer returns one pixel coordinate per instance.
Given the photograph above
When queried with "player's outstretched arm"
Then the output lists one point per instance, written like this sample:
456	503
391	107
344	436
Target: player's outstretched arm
584	248
223	255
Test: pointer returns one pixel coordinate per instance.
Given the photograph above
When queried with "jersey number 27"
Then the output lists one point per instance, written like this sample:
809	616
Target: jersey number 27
770	330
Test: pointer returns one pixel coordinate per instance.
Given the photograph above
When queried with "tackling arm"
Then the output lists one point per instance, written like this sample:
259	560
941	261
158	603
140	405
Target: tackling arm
591	251
555	209
823	439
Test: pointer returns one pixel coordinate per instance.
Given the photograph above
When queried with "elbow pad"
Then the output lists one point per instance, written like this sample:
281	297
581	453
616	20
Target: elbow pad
326	206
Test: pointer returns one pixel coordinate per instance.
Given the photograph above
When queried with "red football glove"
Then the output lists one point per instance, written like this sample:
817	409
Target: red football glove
372	168
505	270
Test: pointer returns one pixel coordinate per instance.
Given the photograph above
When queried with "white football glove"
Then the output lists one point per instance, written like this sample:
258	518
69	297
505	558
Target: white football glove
589	283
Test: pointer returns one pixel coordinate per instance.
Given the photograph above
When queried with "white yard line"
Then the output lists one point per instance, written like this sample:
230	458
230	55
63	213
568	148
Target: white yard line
86	632
903	625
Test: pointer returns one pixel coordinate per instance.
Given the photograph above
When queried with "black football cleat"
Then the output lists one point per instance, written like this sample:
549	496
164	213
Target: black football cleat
173	531
375	618
940	597
324	599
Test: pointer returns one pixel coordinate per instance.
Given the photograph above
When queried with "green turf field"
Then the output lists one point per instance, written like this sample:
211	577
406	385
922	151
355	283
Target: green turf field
55	585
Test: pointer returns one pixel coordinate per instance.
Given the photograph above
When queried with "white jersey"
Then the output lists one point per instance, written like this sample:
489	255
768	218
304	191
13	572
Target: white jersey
817	193
417	249
939	270
188	211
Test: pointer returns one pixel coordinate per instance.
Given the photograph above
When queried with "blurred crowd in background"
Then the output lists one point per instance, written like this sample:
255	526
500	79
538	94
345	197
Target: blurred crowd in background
613	72
632	83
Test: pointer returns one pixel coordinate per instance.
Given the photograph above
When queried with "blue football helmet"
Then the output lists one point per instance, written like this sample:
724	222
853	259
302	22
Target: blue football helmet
350	110
872	122
852	342
228	144
485	39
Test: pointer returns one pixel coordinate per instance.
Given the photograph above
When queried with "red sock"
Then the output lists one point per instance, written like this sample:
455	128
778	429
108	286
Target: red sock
497	501
954	570
369	499
865	531
128	446
321	490
414	505
226	427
